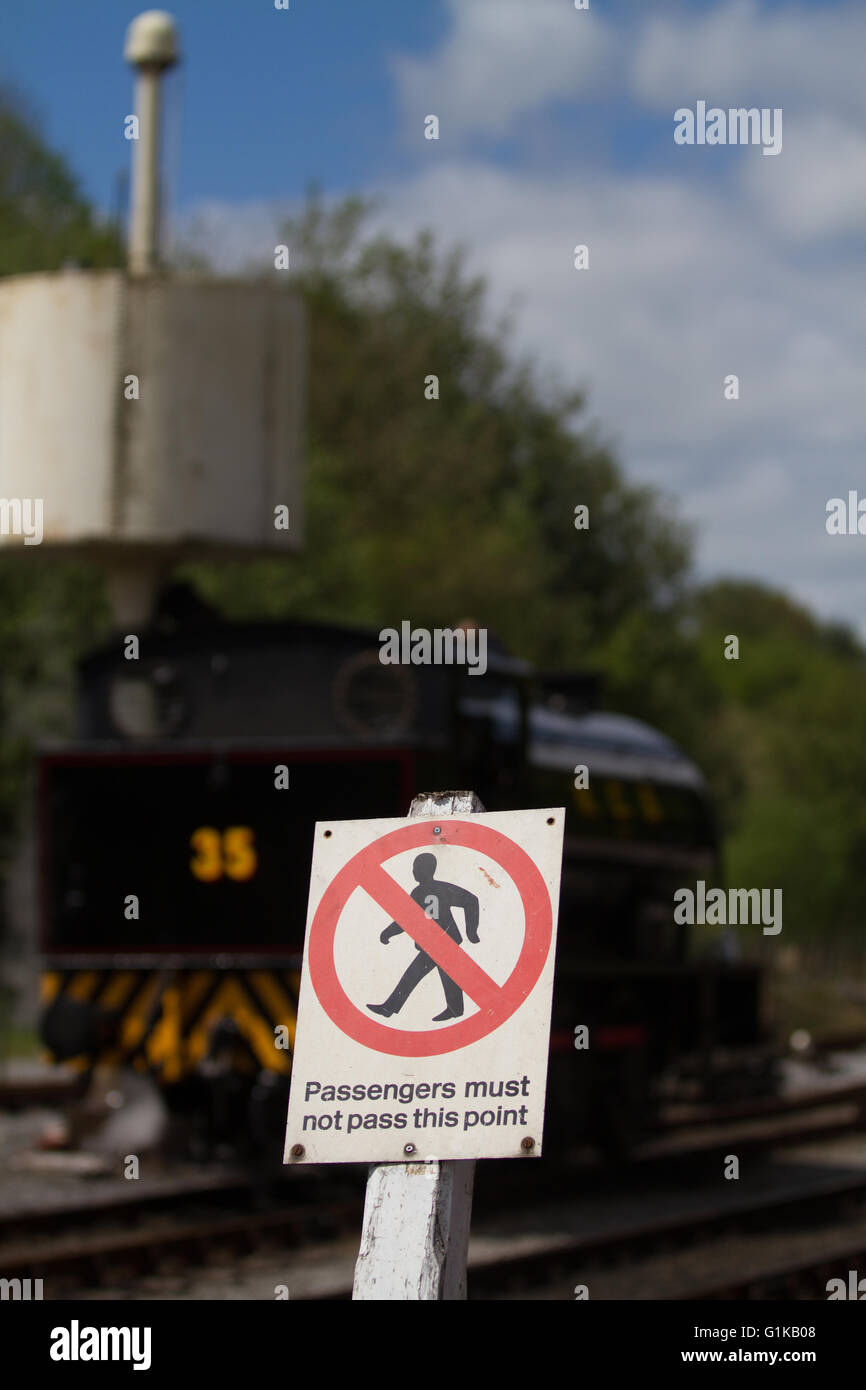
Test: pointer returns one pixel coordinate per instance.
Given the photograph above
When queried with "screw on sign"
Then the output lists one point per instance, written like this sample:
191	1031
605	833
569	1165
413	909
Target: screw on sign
435	934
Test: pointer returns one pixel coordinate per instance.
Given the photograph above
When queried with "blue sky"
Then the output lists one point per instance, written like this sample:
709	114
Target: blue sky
265	101
270	100
556	128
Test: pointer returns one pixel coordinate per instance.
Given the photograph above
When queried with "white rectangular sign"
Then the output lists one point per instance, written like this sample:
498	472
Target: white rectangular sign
424	1012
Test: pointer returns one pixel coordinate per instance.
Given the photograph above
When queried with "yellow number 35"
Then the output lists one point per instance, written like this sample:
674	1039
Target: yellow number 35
230	852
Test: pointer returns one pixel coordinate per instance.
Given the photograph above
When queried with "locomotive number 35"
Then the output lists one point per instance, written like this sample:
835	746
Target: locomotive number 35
231	852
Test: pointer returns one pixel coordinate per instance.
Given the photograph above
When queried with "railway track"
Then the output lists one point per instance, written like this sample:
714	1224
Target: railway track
767	1107
116	1244
796	1279
209	1219
558	1262
751	1126
117	1239
40	1091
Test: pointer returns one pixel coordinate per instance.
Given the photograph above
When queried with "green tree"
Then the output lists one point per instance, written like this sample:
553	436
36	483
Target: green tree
787	743
435	510
48	611
44	220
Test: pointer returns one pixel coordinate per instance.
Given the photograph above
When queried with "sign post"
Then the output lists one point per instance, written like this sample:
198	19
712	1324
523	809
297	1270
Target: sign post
469	898
416	1215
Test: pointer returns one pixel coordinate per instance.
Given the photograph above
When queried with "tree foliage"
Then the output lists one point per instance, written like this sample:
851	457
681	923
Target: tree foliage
792	720
48	611
45	222
435	509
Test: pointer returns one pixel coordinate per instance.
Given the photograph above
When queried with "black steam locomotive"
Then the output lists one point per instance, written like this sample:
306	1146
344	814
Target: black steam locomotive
176	839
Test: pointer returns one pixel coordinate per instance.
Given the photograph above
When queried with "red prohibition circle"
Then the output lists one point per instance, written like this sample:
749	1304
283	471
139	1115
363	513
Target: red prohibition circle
366	863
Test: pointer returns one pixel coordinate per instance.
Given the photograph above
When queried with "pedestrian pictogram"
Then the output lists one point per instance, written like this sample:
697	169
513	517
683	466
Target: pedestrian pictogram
438	899
438	945
424	1011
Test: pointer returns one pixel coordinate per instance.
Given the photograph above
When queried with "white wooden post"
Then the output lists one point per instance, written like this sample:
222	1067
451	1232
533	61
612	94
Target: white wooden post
416	1214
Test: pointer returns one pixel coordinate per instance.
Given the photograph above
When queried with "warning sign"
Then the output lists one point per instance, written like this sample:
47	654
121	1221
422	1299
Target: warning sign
424	1012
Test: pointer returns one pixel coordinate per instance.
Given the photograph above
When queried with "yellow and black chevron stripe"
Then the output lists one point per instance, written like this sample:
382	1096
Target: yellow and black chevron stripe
162	1019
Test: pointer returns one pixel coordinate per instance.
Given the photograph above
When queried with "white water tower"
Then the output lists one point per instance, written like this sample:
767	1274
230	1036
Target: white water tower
156	417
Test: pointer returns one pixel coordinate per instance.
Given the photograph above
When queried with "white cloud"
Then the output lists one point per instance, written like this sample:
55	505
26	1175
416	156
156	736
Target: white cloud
503	59
232	236
694	273
685	285
817	188
737	53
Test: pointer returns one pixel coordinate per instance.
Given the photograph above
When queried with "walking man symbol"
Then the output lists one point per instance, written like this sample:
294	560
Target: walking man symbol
437	900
